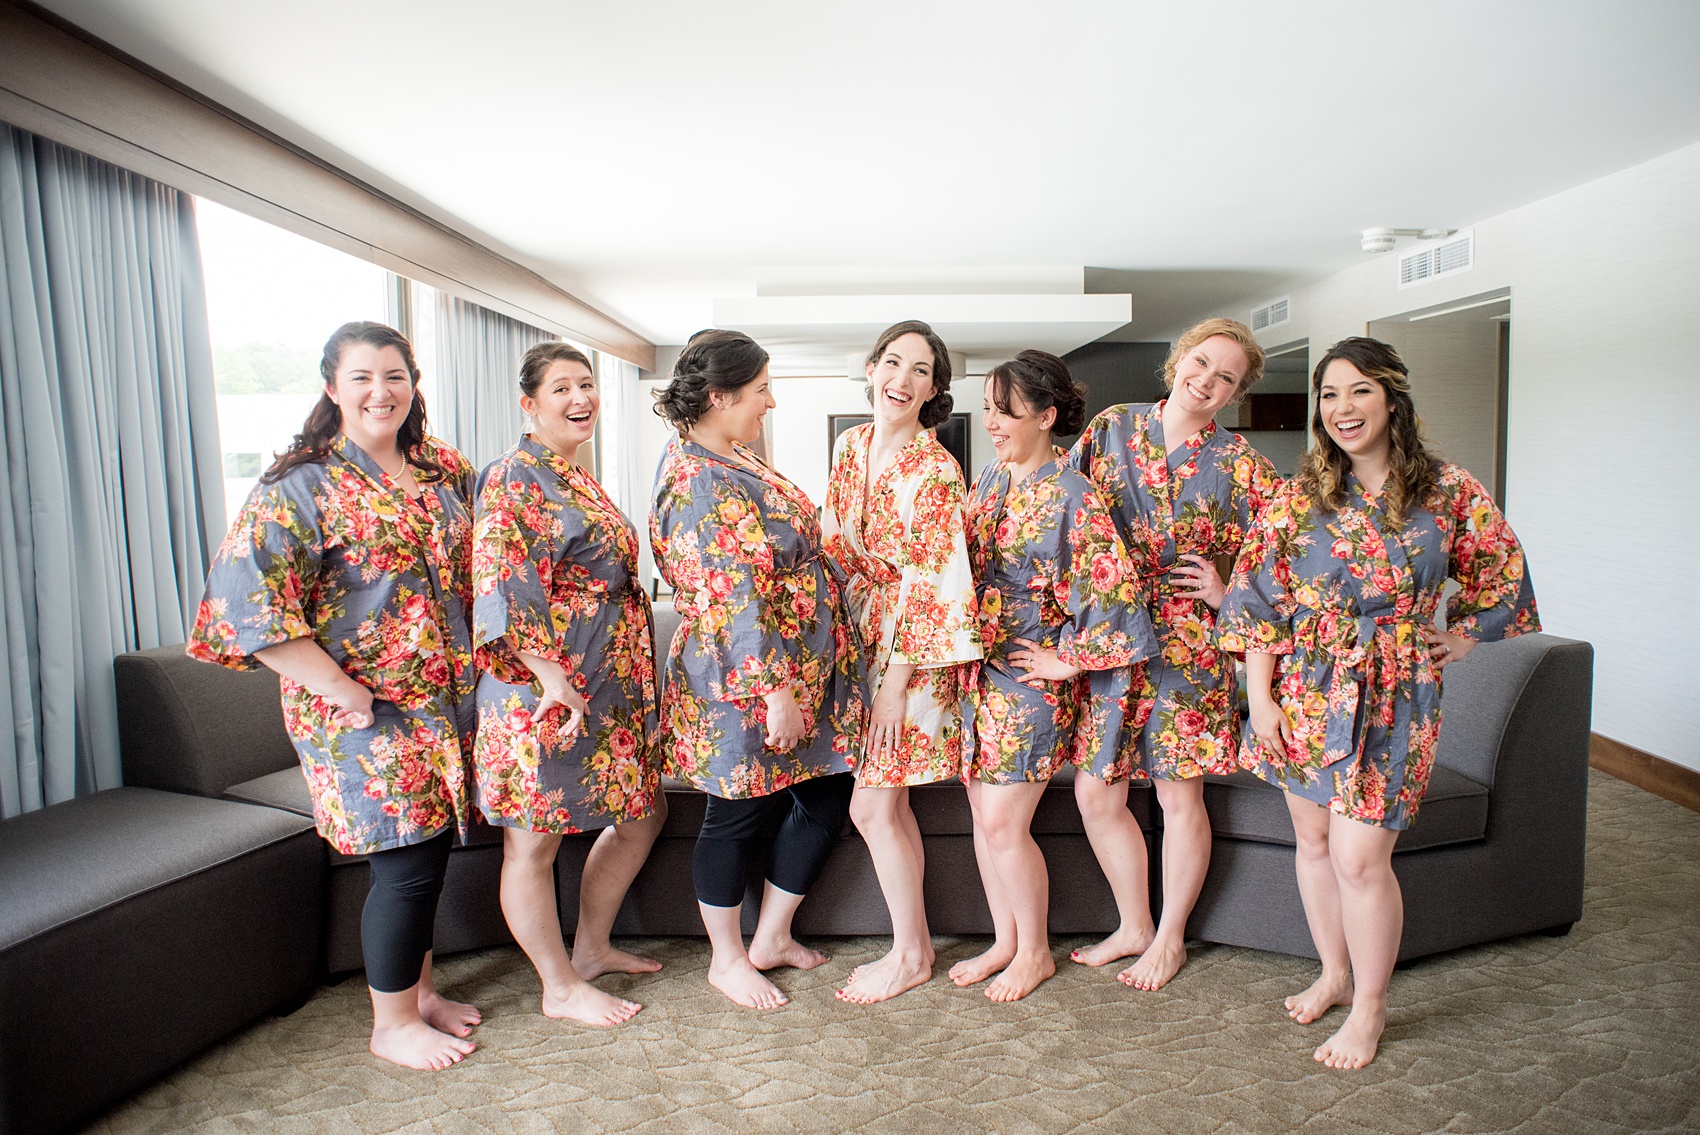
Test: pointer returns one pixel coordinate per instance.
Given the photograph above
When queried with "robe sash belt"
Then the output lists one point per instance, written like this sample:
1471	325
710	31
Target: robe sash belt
1371	654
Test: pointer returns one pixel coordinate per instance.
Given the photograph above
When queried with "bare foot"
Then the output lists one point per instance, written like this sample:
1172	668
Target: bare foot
588	1005
1123	943
1328	991
978	968
592	964
418	1045
1355	1044
882	980
1021	977
786	952
1155	967
453	1017
744	984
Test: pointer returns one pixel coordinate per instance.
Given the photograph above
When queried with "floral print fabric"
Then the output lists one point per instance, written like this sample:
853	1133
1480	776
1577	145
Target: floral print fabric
899	538
1343	597
1200	500
1048	567
760	610
554	574
337	552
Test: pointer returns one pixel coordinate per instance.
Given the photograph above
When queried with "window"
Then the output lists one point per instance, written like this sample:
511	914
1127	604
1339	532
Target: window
273	298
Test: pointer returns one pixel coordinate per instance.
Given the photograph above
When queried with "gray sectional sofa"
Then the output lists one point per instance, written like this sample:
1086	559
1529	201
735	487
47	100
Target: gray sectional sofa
202	888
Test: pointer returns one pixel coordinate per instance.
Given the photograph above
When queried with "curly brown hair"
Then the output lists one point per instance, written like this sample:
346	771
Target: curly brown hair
1043	381
324	421
712	360
1413	469
935	411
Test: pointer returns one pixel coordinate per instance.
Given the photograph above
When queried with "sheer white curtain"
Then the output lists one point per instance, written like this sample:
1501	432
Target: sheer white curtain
617	447
111	486
477	353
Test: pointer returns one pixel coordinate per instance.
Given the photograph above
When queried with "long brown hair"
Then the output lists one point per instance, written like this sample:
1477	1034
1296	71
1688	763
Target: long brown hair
325	421
1413	470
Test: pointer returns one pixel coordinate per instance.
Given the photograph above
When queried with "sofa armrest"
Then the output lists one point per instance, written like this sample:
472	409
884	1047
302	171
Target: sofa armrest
188	726
1538	676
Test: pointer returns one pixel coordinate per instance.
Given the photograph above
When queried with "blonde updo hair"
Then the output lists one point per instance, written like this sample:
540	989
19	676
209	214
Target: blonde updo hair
1209	329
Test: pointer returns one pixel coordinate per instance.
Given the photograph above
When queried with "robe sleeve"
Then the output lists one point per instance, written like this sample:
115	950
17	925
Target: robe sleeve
258	588
1495	599
1257	611
1088	449
1099	588
936	623
513	559
712	549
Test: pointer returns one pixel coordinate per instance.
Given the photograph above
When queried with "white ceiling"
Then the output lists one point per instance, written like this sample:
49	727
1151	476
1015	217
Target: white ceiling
654	157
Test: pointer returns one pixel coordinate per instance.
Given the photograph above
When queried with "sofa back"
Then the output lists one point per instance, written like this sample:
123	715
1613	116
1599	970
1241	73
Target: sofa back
187	726
1498	682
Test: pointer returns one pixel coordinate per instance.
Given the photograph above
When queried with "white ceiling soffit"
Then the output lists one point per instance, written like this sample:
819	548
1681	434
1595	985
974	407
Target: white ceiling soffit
811	335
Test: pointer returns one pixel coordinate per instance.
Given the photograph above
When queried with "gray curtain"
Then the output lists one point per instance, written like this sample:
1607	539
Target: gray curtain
478	352
111	490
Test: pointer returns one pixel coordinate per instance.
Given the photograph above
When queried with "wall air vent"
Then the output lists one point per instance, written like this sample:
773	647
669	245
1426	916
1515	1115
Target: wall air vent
1271	313
1431	260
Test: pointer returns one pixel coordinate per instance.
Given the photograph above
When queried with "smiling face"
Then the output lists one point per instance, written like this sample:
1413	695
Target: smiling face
564	407
1354	411
1020	434
738	415
1209	376
374	392
902	380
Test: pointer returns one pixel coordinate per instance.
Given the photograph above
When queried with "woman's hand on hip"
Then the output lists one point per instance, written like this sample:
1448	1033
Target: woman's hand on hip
1445	648
353	705
1201	576
784	721
1041	663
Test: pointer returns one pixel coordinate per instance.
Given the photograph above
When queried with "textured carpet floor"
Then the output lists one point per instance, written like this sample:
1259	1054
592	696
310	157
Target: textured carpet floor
1595	1032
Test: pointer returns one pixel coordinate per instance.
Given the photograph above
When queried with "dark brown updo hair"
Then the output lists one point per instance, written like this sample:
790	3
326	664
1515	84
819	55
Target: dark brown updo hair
535	364
319	431
1413	469
1043	381
935	411
712	360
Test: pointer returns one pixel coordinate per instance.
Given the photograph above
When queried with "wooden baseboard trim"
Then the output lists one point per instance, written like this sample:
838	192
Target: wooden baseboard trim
1676	783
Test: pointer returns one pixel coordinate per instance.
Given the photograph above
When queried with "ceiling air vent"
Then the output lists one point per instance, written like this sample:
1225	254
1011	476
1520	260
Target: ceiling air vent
1271	313
1433	259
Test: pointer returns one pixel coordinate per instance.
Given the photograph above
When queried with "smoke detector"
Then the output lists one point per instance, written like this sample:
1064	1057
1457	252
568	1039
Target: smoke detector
1383	240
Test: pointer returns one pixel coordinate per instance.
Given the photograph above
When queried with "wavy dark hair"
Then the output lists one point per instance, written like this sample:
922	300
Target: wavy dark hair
1413	469
1209	329
935	411
535	364
325	421
1043	381
712	360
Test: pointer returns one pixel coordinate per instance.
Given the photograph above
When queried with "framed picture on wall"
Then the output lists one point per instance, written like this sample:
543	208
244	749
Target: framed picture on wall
953	435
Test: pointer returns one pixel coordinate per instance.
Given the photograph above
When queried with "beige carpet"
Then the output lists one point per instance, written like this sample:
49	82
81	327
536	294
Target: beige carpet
1596	1032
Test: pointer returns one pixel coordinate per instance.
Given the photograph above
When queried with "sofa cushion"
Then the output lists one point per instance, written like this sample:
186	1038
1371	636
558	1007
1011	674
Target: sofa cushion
188	726
71	859
1241	806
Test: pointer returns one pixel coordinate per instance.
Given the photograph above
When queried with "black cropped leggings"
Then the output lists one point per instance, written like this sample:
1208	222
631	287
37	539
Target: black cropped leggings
814	815
395	928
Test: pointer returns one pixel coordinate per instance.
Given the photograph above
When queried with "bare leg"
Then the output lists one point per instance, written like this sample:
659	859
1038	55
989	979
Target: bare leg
1120	847
453	1017
978	968
1186	859
1321	895
772	945
730	970
401	1036
1008	812
889	829
528	903
1374	917
614	861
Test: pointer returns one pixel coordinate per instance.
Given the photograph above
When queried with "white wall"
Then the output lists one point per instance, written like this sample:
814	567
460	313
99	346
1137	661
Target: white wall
1454	364
1602	453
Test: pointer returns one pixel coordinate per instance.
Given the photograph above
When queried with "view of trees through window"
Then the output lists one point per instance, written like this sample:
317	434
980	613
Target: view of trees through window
273	298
